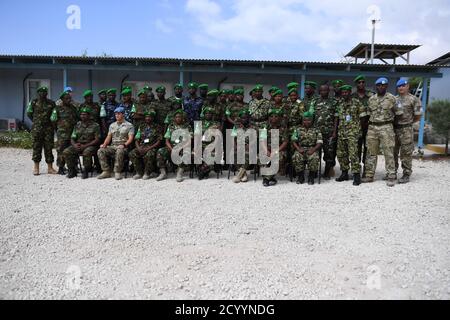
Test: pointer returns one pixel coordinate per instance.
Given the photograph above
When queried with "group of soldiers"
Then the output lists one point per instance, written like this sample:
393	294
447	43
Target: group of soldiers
339	122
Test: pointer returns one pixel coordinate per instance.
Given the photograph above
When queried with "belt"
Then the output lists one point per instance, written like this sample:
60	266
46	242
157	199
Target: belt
380	123
401	126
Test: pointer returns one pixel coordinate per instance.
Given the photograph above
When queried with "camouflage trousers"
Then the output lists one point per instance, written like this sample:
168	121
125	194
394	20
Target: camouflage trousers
404	145
347	154
144	164
163	155
380	135
61	145
281	165
329	149
71	156
118	154
303	161
43	139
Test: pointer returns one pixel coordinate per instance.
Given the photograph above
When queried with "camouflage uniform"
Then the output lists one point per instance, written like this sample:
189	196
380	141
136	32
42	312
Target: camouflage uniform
83	133
147	136
382	111
365	102
137	113
232	110
349	114
67	118
259	112
310	103
164	109
324	120
164	153
219	111
306	139
404	133
296	114
283	137
95	114
120	134
204	168
42	131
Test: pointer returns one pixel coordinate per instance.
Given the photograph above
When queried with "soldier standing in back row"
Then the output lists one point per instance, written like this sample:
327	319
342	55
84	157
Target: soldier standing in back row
383	111
39	111
259	108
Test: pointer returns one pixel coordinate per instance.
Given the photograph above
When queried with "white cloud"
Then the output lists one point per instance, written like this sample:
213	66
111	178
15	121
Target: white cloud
332	26
162	26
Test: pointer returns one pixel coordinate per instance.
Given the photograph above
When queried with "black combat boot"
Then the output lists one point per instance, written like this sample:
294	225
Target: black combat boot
343	177
85	173
72	173
301	177
311	177
266	182
326	173
273	182
356	179
61	171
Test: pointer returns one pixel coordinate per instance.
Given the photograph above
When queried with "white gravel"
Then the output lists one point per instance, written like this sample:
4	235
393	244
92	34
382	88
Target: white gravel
212	239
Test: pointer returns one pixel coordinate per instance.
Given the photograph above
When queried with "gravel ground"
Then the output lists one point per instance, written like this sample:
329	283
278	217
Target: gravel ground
94	239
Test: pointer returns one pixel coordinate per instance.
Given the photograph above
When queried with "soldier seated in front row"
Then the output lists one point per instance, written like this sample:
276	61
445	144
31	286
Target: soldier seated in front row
85	141
306	141
148	140
164	154
120	136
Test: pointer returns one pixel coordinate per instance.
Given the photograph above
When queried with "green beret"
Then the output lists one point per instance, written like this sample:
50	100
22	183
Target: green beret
213	93
203	86
359	78
113	90
337	83
239	92
230	91
311	84
126	91
104	91
346	87
178	86
208	110
258	87
143	91
179	111
161	89
293	85
293	90
277	92
178	101
63	94
276	112
149	113
308	115
86	110
273	89
243	112
192	85
87	93
42	89
148	88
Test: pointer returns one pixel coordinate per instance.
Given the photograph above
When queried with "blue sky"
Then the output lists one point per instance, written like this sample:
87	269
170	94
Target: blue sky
228	29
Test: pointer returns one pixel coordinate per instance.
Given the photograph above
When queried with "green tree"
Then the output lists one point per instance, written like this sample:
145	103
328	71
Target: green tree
439	112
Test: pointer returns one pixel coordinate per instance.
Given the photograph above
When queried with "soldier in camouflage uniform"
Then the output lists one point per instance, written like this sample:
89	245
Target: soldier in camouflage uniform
324	120
88	96
363	96
275	123
148	140
84	141
383	111
243	122
127	103
404	133
337	84
232	110
211	102
163	107
203	91
277	103
164	154
178	94
271	94
294	109
311	98
39	111
140	107
306	141
349	113
259	108
293	86
66	117
119	139
209	122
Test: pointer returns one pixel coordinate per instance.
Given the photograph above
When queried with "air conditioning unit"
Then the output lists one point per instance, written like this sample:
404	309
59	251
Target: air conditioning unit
8	124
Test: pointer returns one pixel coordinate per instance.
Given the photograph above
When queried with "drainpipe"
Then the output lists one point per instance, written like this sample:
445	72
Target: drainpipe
220	82
24	91
123	80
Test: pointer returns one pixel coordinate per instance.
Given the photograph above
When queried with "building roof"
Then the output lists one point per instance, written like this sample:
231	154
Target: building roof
442	60
385	51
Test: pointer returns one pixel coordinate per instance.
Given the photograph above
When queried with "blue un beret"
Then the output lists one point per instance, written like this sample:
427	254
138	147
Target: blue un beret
382	81
402	82
119	110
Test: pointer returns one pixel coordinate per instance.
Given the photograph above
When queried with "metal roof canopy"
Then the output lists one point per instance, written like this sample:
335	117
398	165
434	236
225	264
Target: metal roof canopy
442	60
382	52
210	65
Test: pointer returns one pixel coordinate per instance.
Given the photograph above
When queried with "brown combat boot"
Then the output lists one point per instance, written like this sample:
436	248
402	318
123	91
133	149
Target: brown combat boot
50	168
36	169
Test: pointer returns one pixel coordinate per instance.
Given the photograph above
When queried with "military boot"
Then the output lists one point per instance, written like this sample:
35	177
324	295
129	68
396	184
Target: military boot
61	171
180	172
273	182
367	179
390	182
301	177
326	173
356	179
104	175
239	176
50	169
118	176
344	177
162	176
85	173
72	173
36	169
266	182
404	179
244	177
311	177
